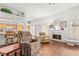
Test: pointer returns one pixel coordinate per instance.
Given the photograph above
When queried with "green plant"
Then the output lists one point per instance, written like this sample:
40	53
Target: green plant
6	10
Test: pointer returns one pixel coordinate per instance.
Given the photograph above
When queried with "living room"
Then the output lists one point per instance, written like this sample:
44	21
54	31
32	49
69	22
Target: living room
36	28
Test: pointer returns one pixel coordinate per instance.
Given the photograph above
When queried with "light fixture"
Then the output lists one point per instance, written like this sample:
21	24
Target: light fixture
51	3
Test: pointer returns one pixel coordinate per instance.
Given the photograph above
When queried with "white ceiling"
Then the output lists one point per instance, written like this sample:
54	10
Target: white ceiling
39	10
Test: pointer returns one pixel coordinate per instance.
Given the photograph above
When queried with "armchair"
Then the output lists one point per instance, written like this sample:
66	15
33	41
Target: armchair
44	38
34	43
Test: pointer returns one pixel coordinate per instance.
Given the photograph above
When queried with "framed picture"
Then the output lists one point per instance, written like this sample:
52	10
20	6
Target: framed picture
64	23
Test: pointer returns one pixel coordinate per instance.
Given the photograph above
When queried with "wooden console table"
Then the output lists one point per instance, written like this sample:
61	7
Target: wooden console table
6	51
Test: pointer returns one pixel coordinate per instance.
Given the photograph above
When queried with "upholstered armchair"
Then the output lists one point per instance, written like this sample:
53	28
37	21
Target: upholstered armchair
33	42
44	38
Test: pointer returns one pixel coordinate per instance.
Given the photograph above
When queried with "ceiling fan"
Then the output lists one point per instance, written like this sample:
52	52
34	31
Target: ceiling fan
51	3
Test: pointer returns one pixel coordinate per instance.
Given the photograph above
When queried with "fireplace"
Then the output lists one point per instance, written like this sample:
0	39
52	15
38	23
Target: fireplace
55	36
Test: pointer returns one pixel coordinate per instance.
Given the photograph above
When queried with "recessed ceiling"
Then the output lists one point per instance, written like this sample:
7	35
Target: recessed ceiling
39	10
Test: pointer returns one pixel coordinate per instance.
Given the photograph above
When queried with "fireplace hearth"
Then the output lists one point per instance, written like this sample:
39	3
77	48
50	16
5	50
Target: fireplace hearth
55	36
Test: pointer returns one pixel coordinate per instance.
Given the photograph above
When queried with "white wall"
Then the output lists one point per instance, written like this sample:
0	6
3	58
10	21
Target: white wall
69	15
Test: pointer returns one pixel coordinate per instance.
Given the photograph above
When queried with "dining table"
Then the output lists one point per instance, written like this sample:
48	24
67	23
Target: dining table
7	50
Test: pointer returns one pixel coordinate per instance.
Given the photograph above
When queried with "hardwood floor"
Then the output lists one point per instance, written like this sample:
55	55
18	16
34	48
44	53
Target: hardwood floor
58	49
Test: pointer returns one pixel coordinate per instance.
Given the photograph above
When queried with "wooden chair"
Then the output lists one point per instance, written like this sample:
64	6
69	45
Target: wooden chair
19	36
9	37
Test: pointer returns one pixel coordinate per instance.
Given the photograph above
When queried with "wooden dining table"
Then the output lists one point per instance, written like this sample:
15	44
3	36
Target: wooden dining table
7	50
